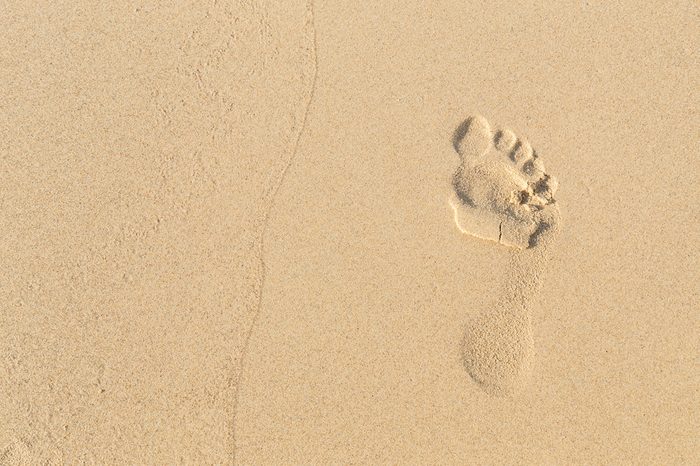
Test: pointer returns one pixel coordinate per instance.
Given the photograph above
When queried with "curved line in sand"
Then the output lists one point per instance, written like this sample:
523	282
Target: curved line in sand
271	195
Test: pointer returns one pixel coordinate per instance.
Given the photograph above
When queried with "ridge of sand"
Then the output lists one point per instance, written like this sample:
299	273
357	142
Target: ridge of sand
271	194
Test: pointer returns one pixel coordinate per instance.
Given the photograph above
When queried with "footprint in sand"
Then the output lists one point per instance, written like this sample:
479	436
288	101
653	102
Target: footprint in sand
502	193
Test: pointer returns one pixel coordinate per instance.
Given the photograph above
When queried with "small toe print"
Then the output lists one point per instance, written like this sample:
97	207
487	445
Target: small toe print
534	167
544	184
505	140
522	152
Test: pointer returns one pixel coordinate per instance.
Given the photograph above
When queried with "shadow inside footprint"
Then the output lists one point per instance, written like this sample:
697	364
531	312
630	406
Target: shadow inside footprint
460	132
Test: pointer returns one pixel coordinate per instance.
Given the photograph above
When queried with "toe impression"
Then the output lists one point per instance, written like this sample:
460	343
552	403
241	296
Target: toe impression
473	138
505	140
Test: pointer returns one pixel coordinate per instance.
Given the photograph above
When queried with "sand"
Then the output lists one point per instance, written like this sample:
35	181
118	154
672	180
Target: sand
263	233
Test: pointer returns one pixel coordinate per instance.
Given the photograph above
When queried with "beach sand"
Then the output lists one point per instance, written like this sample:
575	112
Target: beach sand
283	233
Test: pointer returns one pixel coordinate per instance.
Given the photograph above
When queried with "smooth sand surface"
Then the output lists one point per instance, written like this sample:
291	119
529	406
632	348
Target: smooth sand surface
164	303
141	145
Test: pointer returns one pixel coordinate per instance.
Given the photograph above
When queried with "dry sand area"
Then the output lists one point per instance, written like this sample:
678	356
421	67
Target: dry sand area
341	232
